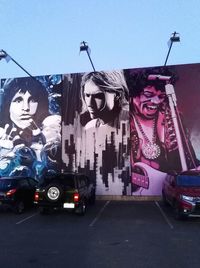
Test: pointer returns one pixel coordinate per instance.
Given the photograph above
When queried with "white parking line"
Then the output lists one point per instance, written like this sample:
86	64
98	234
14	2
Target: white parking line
164	215
99	214
19	222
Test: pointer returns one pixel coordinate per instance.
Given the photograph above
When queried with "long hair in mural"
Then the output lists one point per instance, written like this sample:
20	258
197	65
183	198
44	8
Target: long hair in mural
95	129
160	142
30	126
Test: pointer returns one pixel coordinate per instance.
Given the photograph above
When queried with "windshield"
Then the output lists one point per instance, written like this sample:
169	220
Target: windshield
188	180
7	184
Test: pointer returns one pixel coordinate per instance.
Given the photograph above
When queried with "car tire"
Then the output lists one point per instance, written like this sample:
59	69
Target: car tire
178	214
19	207
53	192
81	209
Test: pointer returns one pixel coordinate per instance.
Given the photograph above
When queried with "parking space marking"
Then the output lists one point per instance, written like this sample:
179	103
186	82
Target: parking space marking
27	218
99	214
164	215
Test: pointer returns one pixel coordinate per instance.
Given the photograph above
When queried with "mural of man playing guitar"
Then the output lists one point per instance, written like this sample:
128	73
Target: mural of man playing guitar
159	143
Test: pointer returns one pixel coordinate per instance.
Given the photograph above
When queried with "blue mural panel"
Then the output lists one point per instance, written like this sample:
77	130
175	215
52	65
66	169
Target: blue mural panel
30	126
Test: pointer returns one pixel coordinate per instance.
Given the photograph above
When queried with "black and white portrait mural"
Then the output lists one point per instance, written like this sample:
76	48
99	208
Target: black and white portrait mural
30	126
95	130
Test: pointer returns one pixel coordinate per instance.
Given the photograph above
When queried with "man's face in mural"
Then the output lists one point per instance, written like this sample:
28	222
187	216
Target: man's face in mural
97	101
147	104
22	108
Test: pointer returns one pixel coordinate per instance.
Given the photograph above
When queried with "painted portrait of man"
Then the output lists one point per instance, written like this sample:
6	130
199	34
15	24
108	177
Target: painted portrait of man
28	115
159	140
96	131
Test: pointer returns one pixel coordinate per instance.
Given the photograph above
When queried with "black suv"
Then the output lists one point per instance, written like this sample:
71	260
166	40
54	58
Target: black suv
17	193
70	191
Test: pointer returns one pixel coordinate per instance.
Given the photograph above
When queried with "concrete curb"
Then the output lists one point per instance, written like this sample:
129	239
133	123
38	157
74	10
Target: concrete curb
128	198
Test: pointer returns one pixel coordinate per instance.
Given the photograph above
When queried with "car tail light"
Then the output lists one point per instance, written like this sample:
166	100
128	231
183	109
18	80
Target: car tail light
76	197
11	192
36	196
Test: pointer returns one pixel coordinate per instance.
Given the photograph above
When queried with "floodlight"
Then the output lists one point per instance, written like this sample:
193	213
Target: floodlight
7	57
84	47
175	37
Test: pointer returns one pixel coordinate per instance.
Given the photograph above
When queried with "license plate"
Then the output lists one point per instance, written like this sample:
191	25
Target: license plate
68	205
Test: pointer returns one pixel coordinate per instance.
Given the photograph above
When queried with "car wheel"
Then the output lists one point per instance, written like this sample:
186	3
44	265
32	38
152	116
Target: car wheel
81	209
178	214
19	207
53	192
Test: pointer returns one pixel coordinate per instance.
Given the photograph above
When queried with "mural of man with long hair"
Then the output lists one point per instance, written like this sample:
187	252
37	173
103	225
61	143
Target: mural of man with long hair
155	148
25	124
100	131
104	99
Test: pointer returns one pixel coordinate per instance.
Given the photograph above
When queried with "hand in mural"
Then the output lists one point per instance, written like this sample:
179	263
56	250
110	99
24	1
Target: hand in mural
7	137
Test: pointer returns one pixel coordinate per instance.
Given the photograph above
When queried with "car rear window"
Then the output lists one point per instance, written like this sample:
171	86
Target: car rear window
68	180
65	179
7	184
188	181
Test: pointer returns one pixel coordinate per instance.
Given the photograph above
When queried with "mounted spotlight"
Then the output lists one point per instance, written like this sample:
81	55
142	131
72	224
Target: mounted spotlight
174	38
4	55
84	47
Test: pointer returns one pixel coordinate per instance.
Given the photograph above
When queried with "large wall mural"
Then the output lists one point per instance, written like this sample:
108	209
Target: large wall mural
30	126
126	129
95	130
163	130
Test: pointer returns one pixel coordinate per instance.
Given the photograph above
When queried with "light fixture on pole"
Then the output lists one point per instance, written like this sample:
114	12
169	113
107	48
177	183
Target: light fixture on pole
4	55
84	47
174	38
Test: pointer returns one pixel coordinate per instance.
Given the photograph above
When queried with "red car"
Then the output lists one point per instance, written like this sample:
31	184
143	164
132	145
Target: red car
182	192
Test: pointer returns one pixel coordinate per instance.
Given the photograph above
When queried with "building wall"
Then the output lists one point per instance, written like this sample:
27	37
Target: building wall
105	126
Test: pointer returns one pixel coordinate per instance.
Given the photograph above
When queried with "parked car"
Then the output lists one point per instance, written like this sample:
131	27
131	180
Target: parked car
182	192
17	193
68	191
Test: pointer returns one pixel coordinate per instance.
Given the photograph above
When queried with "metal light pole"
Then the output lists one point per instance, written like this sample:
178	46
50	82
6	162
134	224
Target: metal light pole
4	55
174	38
84	47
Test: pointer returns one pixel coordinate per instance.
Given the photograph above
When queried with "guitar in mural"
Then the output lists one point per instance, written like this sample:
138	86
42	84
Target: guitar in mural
157	134
148	179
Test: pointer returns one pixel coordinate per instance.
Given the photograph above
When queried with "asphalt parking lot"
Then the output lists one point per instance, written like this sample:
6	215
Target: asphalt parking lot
111	234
